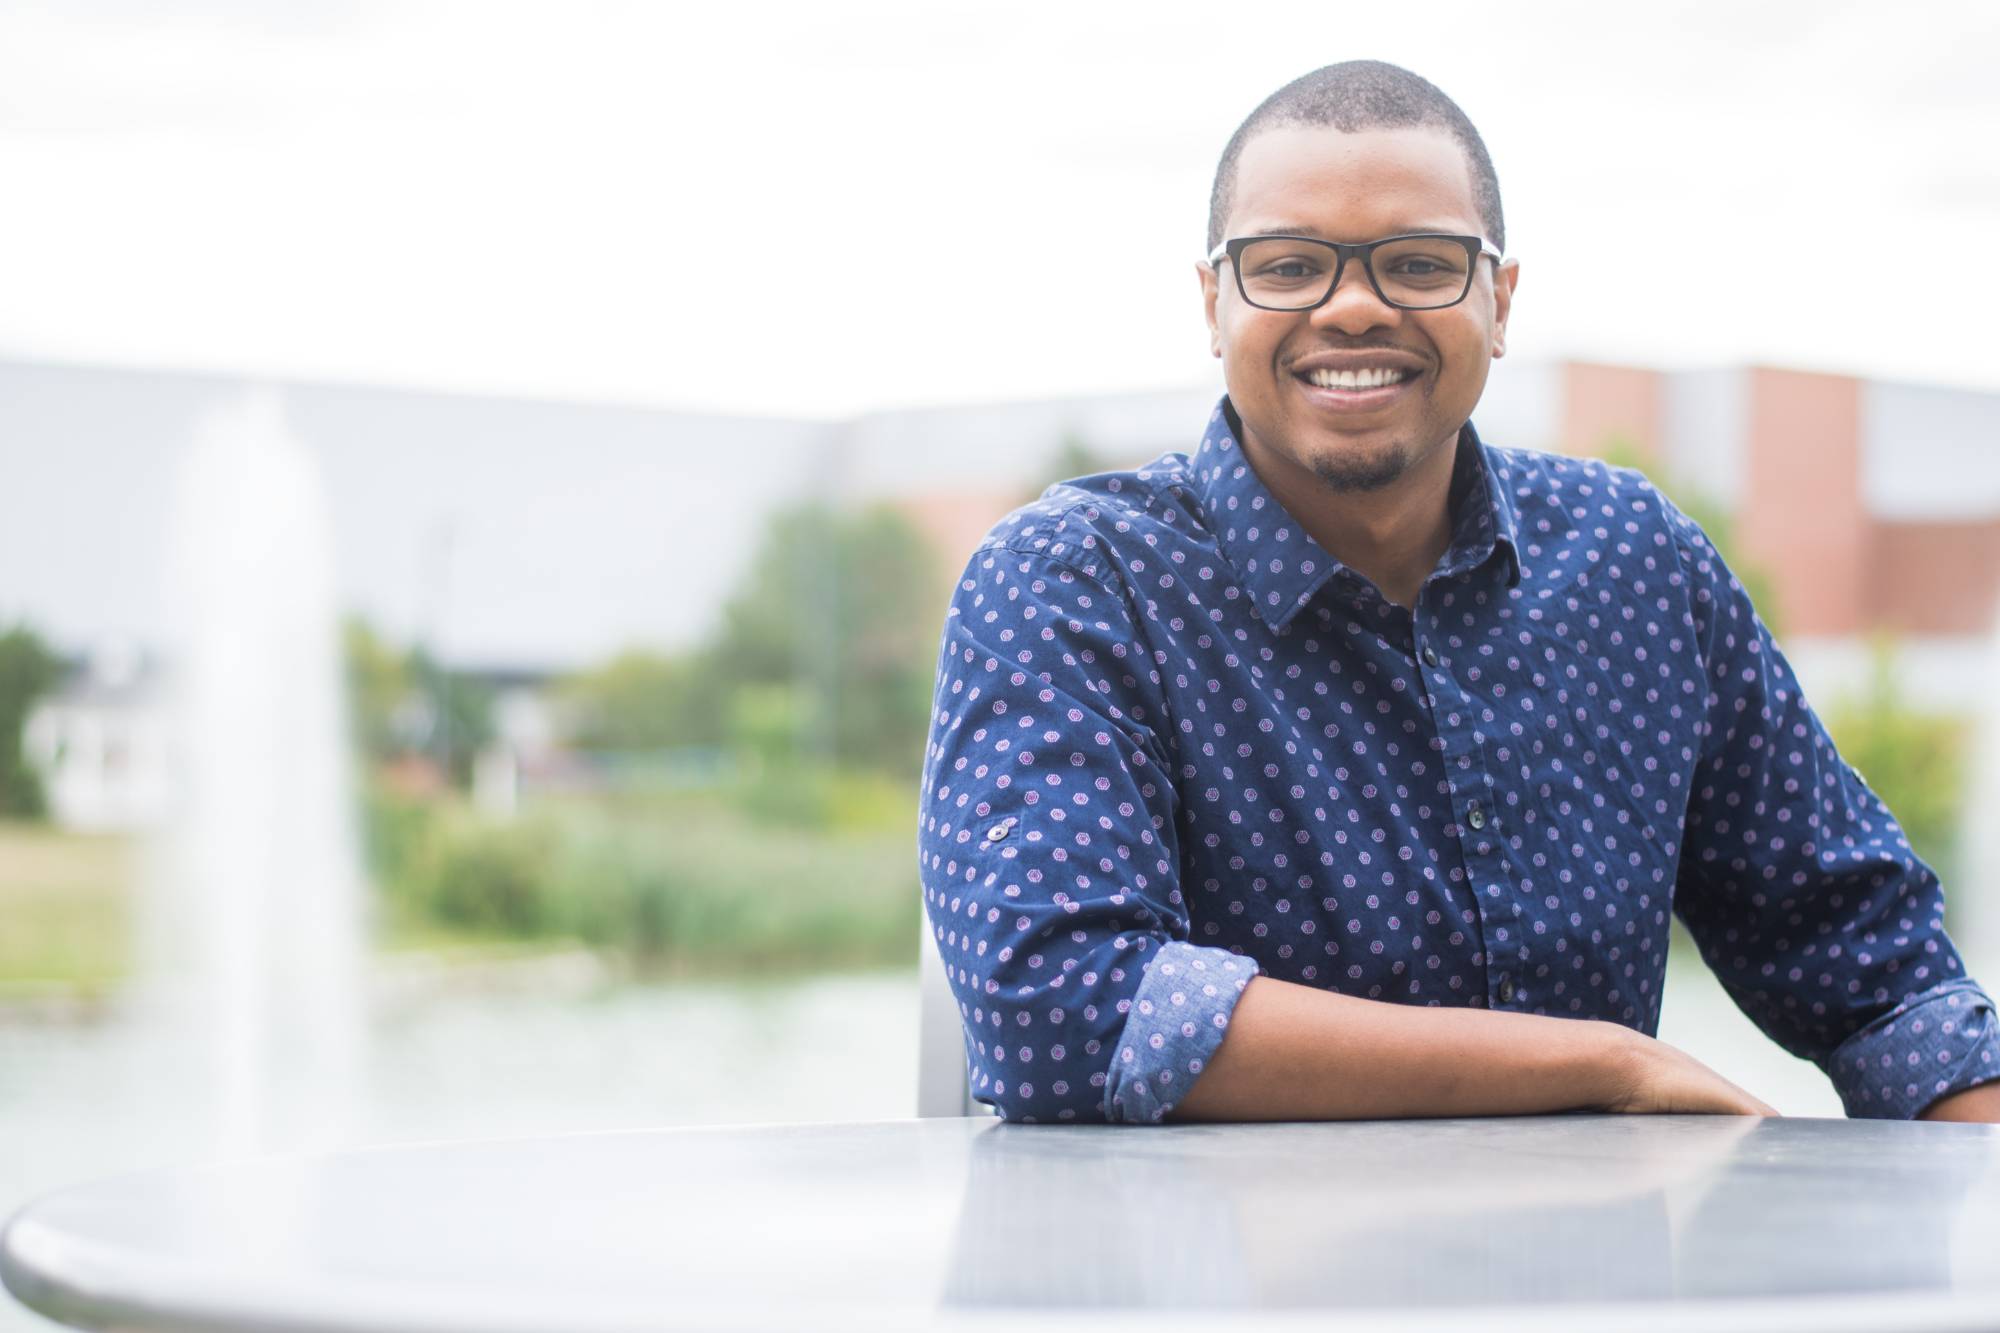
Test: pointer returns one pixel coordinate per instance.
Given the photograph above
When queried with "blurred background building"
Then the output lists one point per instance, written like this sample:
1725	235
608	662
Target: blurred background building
520	541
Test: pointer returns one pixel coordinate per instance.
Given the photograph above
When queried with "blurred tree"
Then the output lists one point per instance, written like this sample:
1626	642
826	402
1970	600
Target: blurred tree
1073	458
643	700
379	691
401	702
457	710
839	607
788	581
1915	760
1623	451
28	669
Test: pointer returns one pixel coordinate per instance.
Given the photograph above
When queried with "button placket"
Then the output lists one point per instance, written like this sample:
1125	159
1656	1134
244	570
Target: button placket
1500	914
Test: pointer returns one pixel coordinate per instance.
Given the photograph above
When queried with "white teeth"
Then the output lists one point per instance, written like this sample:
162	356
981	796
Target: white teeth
1373	378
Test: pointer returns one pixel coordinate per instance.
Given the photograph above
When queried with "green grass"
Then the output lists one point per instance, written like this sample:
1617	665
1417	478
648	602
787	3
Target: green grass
665	883
65	909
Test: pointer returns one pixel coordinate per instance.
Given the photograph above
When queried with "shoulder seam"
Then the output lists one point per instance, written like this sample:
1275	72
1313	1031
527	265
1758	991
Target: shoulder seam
1060	562
1124	595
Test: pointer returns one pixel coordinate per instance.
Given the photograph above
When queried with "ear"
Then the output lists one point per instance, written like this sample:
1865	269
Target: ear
1504	279
1209	290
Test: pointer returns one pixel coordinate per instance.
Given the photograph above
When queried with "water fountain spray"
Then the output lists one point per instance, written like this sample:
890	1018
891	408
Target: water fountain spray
252	947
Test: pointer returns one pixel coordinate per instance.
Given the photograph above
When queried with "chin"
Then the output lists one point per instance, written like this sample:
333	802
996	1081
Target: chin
1354	471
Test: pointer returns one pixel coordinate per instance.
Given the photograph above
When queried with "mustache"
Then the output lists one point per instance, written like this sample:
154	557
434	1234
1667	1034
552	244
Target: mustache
1364	345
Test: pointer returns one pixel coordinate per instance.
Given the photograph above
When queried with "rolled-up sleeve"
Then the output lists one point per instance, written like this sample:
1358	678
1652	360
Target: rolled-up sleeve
1800	888
1047	851
1934	1044
1176	1021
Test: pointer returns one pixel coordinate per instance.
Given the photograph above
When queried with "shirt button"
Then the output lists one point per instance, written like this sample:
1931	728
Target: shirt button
1476	816
1507	990
1430	656
998	831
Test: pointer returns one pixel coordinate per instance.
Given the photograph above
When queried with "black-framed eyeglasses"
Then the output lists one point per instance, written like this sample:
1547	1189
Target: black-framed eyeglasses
1424	271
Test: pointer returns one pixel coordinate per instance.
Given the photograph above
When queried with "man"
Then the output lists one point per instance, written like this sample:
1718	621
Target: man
1351	767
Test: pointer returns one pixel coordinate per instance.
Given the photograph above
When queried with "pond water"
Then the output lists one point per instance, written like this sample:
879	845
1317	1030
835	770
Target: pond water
553	1046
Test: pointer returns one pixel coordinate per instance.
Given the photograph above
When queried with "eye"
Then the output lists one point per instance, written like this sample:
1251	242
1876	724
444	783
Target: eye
1291	269
1420	265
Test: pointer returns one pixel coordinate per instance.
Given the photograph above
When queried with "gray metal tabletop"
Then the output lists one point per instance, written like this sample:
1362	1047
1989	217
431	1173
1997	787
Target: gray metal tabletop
1571	1221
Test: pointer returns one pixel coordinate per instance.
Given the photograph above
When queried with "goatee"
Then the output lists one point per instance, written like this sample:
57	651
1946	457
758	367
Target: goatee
1350	474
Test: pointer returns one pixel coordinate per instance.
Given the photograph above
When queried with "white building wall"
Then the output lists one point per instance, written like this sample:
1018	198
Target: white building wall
1933	673
1929	452
1705	432
999	446
1523	405
104	764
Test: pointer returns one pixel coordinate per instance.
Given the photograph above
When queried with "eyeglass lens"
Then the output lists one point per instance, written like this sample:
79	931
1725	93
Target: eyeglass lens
1418	273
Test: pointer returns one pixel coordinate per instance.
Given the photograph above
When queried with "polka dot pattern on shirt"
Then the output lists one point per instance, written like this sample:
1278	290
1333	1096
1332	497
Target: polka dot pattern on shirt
1175	745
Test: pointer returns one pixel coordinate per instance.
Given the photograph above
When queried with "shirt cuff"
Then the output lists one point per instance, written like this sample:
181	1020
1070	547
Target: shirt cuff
1943	1041
1177	1019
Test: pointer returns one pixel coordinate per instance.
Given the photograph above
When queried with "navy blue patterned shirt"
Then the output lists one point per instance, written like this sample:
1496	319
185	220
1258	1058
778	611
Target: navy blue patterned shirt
1175	745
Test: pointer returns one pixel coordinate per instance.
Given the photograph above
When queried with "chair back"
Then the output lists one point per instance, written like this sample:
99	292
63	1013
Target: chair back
942	1089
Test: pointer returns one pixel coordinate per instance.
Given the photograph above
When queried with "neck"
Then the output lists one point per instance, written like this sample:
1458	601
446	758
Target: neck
1394	536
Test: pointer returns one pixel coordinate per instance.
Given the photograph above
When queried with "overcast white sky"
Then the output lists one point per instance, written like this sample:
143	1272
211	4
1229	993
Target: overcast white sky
813	209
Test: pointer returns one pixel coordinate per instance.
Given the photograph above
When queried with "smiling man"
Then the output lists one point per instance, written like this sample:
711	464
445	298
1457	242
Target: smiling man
1350	766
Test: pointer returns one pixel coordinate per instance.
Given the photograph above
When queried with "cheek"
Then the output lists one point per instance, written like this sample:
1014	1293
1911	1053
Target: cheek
1464	348
1252	379
1250	349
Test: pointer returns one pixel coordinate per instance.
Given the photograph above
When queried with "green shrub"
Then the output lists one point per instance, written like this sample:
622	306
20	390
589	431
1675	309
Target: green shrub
1915	760
793	795
617	895
870	802
490	879
394	830
673	882
710	889
29	668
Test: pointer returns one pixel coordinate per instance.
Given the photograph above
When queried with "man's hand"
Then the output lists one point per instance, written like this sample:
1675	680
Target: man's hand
1658	1079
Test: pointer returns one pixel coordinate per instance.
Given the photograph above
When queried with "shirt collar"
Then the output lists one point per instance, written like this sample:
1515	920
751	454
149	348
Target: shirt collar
1280	566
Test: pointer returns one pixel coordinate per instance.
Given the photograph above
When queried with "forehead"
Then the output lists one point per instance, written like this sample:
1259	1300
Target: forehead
1352	187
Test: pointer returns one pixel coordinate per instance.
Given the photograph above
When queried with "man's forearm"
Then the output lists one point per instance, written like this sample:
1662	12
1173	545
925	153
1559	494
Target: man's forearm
1299	1053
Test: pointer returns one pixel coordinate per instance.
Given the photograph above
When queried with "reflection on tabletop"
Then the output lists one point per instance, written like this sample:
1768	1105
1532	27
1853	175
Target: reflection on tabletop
1565	1209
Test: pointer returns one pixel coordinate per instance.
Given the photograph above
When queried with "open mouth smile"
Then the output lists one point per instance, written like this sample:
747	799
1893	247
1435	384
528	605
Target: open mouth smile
1356	388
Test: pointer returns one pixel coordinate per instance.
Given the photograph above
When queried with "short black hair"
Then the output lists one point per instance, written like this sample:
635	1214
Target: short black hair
1362	95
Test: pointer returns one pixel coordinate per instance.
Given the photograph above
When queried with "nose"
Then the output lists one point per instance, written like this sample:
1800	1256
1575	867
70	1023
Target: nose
1354	307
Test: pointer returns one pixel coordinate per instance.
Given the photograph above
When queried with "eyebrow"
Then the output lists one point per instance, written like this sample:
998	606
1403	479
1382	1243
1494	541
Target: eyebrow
1307	229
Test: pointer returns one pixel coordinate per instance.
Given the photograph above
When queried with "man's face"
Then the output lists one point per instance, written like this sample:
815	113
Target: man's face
1317	181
